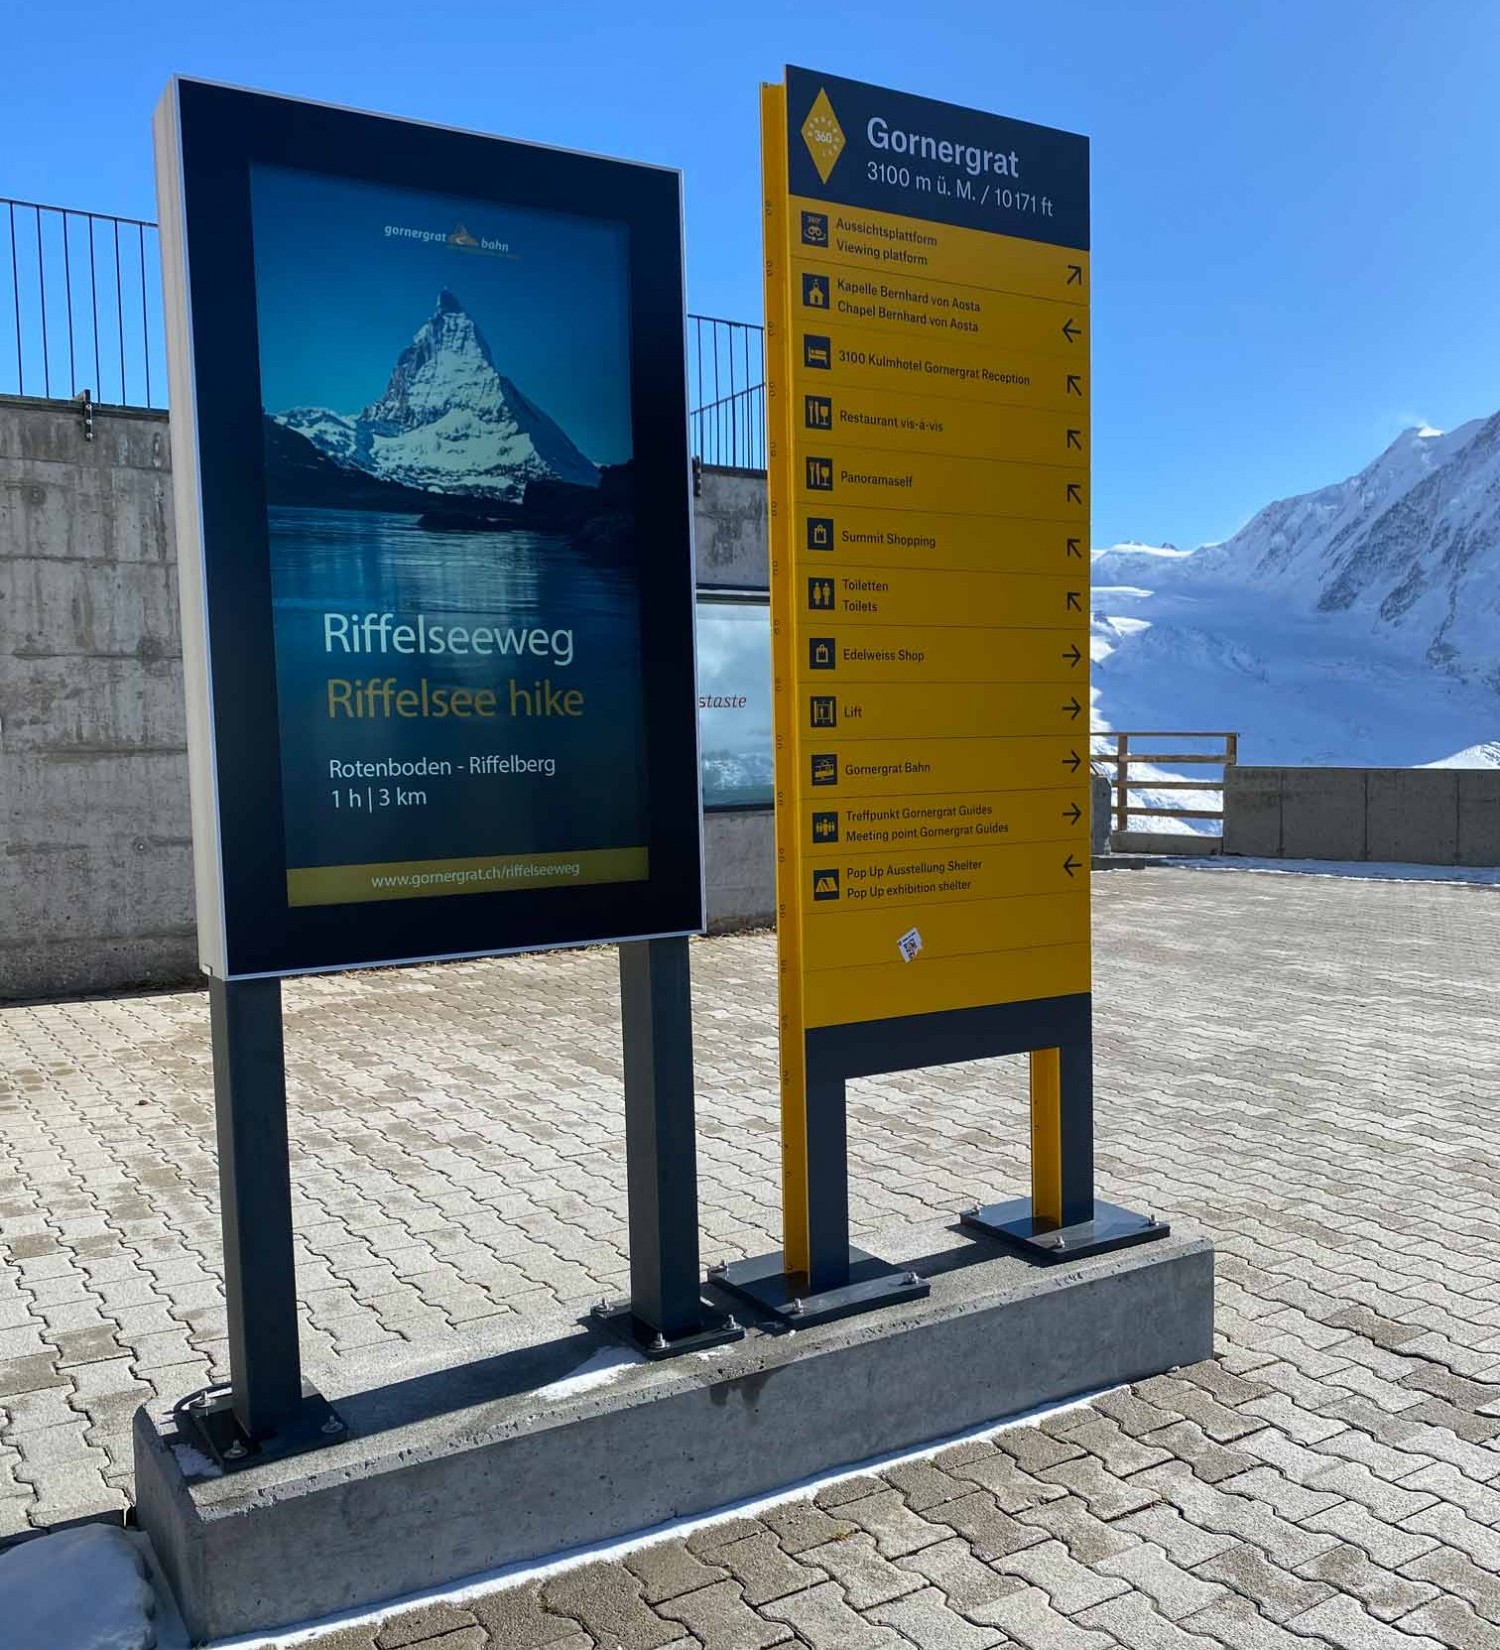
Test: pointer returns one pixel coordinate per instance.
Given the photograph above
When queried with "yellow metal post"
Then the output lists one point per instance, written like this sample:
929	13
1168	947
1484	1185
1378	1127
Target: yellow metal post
795	1247
1046	1137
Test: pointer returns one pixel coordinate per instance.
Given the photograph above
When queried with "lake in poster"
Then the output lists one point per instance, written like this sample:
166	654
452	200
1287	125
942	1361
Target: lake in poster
447	419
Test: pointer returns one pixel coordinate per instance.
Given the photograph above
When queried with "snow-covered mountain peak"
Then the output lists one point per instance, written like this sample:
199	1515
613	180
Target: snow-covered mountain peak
449	421
447	364
1359	623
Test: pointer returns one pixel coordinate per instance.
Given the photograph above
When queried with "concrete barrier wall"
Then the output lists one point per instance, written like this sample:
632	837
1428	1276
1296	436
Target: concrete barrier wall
95	848
95	853
1414	816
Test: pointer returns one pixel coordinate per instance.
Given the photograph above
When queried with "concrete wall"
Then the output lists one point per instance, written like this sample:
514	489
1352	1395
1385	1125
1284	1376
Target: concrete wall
95	844
1416	816
95	854
731	541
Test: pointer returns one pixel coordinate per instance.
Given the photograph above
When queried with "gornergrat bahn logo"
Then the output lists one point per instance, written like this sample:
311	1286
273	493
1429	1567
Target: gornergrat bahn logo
823	135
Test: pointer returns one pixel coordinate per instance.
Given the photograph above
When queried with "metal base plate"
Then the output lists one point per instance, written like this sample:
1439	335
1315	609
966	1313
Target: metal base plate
784	1297
206	1419
1111	1228
621	1324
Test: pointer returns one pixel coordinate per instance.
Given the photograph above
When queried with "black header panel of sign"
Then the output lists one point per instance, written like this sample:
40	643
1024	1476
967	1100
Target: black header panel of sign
438	511
886	151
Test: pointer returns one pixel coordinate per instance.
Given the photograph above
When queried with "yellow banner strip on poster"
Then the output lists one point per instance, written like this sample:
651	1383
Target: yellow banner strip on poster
796	1253
486	874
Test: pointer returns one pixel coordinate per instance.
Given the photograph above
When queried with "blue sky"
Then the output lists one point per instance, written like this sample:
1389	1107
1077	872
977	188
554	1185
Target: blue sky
1296	206
339	299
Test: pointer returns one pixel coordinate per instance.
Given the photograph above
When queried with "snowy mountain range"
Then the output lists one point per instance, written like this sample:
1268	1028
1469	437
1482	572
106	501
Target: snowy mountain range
1356	625
450	422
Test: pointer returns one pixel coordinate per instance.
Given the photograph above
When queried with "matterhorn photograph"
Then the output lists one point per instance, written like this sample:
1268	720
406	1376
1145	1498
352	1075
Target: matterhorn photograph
447	426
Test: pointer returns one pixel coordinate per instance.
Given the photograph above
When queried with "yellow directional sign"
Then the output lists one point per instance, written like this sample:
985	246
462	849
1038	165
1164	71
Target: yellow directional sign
825	473
928	394
892	537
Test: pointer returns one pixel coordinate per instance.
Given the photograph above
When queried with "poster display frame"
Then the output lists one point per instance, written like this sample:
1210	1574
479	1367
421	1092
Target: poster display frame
208	139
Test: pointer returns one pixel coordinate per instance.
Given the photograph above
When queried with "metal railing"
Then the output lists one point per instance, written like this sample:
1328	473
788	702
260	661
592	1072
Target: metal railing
81	292
81	309
1123	755
727	391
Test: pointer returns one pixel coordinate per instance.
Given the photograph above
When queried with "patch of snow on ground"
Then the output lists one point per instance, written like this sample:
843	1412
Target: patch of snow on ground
517	1575
1483	876
606	1365
80	1589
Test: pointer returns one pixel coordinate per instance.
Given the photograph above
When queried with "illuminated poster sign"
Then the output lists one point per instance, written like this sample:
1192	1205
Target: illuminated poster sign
429	428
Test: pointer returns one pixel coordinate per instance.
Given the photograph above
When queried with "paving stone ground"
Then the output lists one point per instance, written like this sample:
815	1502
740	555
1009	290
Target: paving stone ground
1306	1068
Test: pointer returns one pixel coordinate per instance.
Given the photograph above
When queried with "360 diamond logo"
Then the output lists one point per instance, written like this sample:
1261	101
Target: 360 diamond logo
823	135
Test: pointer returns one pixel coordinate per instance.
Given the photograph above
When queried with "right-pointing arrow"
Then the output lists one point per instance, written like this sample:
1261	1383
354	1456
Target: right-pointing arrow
1073	814
1070	865
1072	760
1073	708
1073	655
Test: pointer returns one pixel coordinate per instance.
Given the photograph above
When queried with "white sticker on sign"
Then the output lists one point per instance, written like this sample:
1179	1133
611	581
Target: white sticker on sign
910	944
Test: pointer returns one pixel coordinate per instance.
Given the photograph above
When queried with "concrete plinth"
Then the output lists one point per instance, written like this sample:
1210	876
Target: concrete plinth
454	1471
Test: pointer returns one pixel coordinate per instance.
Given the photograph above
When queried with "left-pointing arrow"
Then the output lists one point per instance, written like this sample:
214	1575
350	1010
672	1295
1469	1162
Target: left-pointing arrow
1073	707
1075	439
1070	865
1071	329
1075	601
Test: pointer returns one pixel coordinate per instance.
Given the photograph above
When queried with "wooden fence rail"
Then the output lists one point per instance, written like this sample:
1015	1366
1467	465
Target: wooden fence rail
1123	750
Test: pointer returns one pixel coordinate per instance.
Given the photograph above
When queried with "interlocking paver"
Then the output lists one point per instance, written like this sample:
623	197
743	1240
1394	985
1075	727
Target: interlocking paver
764	1570
1344	1622
430	1621
1457	1573
1028	1618
1135	1622
823	1620
999	1473
441	1188
865	1574
989	1530
927	1621
667	1569
719	1619
606	1599
1278	1593
1174	1590
517	1619
1088	1538
799	1525
972	1587
1235	1621
1451	1621
897	1530
1069	1585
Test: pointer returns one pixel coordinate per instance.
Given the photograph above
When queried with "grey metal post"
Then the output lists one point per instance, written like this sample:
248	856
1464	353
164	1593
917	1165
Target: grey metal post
827	1185
255	1196
661	1152
1076	1126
